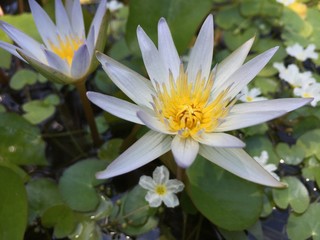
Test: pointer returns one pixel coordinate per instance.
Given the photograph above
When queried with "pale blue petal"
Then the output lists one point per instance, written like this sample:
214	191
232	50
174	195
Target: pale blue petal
80	62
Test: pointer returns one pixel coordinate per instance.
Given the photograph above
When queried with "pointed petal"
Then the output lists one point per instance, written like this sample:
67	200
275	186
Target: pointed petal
240	78
11	49
24	41
115	106
161	175
56	62
219	140
201	53
146	149
45	70
77	20
151	58
80	62
170	200
136	87
152	122
184	150
153	199
62	19
238	162
98	19
167	49
147	183
46	28
233	62
282	104
236	121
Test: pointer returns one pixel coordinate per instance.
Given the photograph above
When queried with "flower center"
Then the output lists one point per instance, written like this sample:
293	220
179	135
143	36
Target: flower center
249	98
161	189
66	47
187	108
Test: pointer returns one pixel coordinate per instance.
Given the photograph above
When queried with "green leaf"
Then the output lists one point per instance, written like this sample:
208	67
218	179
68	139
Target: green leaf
13	205
250	8
86	230
309	142
77	185
23	77
62	218
305	226
311	170
21	142
183	16
296	195
110	150
228	17
43	194
231	235
266	85
213	192
5	60
234	39
103	210
291	155
37	111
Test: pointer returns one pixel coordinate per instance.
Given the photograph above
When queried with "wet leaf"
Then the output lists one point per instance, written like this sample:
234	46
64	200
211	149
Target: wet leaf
293	155
13	205
86	230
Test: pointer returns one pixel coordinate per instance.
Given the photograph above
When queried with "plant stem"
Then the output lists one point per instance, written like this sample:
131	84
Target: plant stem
180	173
81	87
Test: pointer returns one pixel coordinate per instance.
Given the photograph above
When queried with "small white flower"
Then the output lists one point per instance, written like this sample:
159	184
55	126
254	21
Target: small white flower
301	54
293	76
263	161
161	189
114	5
306	91
286	2
251	95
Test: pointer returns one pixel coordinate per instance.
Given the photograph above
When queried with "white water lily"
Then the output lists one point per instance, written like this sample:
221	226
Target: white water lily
161	188
188	109
302	54
66	55
251	95
263	160
309	91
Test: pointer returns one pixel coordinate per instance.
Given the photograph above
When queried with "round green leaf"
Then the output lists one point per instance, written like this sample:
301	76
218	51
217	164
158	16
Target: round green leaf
309	142
296	195
21	142
37	111
291	155
228	17
222	197
77	185
62	218
22	78
13	205
305	226
110	149
43	193
86	230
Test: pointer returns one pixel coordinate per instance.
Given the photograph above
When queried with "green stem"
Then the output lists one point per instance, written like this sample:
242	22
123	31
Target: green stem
180	173
81	87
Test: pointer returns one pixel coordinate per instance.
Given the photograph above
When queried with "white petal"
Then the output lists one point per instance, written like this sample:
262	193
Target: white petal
80	62
147	183
201	53
236	121
167	49
174	185
24	41
219	140
238	162
153	199
56	62
98	19
240	78
151	58
11	49
90	42
161	175
77	20
282	104
230	64
62	19
115	106
170	200
184	150
152	122
136	87
46	28
146	149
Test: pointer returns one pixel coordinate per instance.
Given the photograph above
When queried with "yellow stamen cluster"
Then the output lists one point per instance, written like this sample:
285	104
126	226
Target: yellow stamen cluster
187	108
161	189
66	47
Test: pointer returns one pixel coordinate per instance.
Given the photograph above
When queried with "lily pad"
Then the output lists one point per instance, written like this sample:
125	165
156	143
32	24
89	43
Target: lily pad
23	77
13	205
213	191
77	185
309	142
296	195
291	155
110	150
21	142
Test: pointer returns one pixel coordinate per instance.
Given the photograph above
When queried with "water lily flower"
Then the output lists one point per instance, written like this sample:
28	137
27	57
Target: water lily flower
263	160
161	189
189	109
302	54
66	55
309	91
293	76
251	95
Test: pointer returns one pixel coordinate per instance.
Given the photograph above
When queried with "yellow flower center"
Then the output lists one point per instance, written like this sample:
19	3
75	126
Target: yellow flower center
299	8
306	95
249	98
186	107
66	48
161	189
